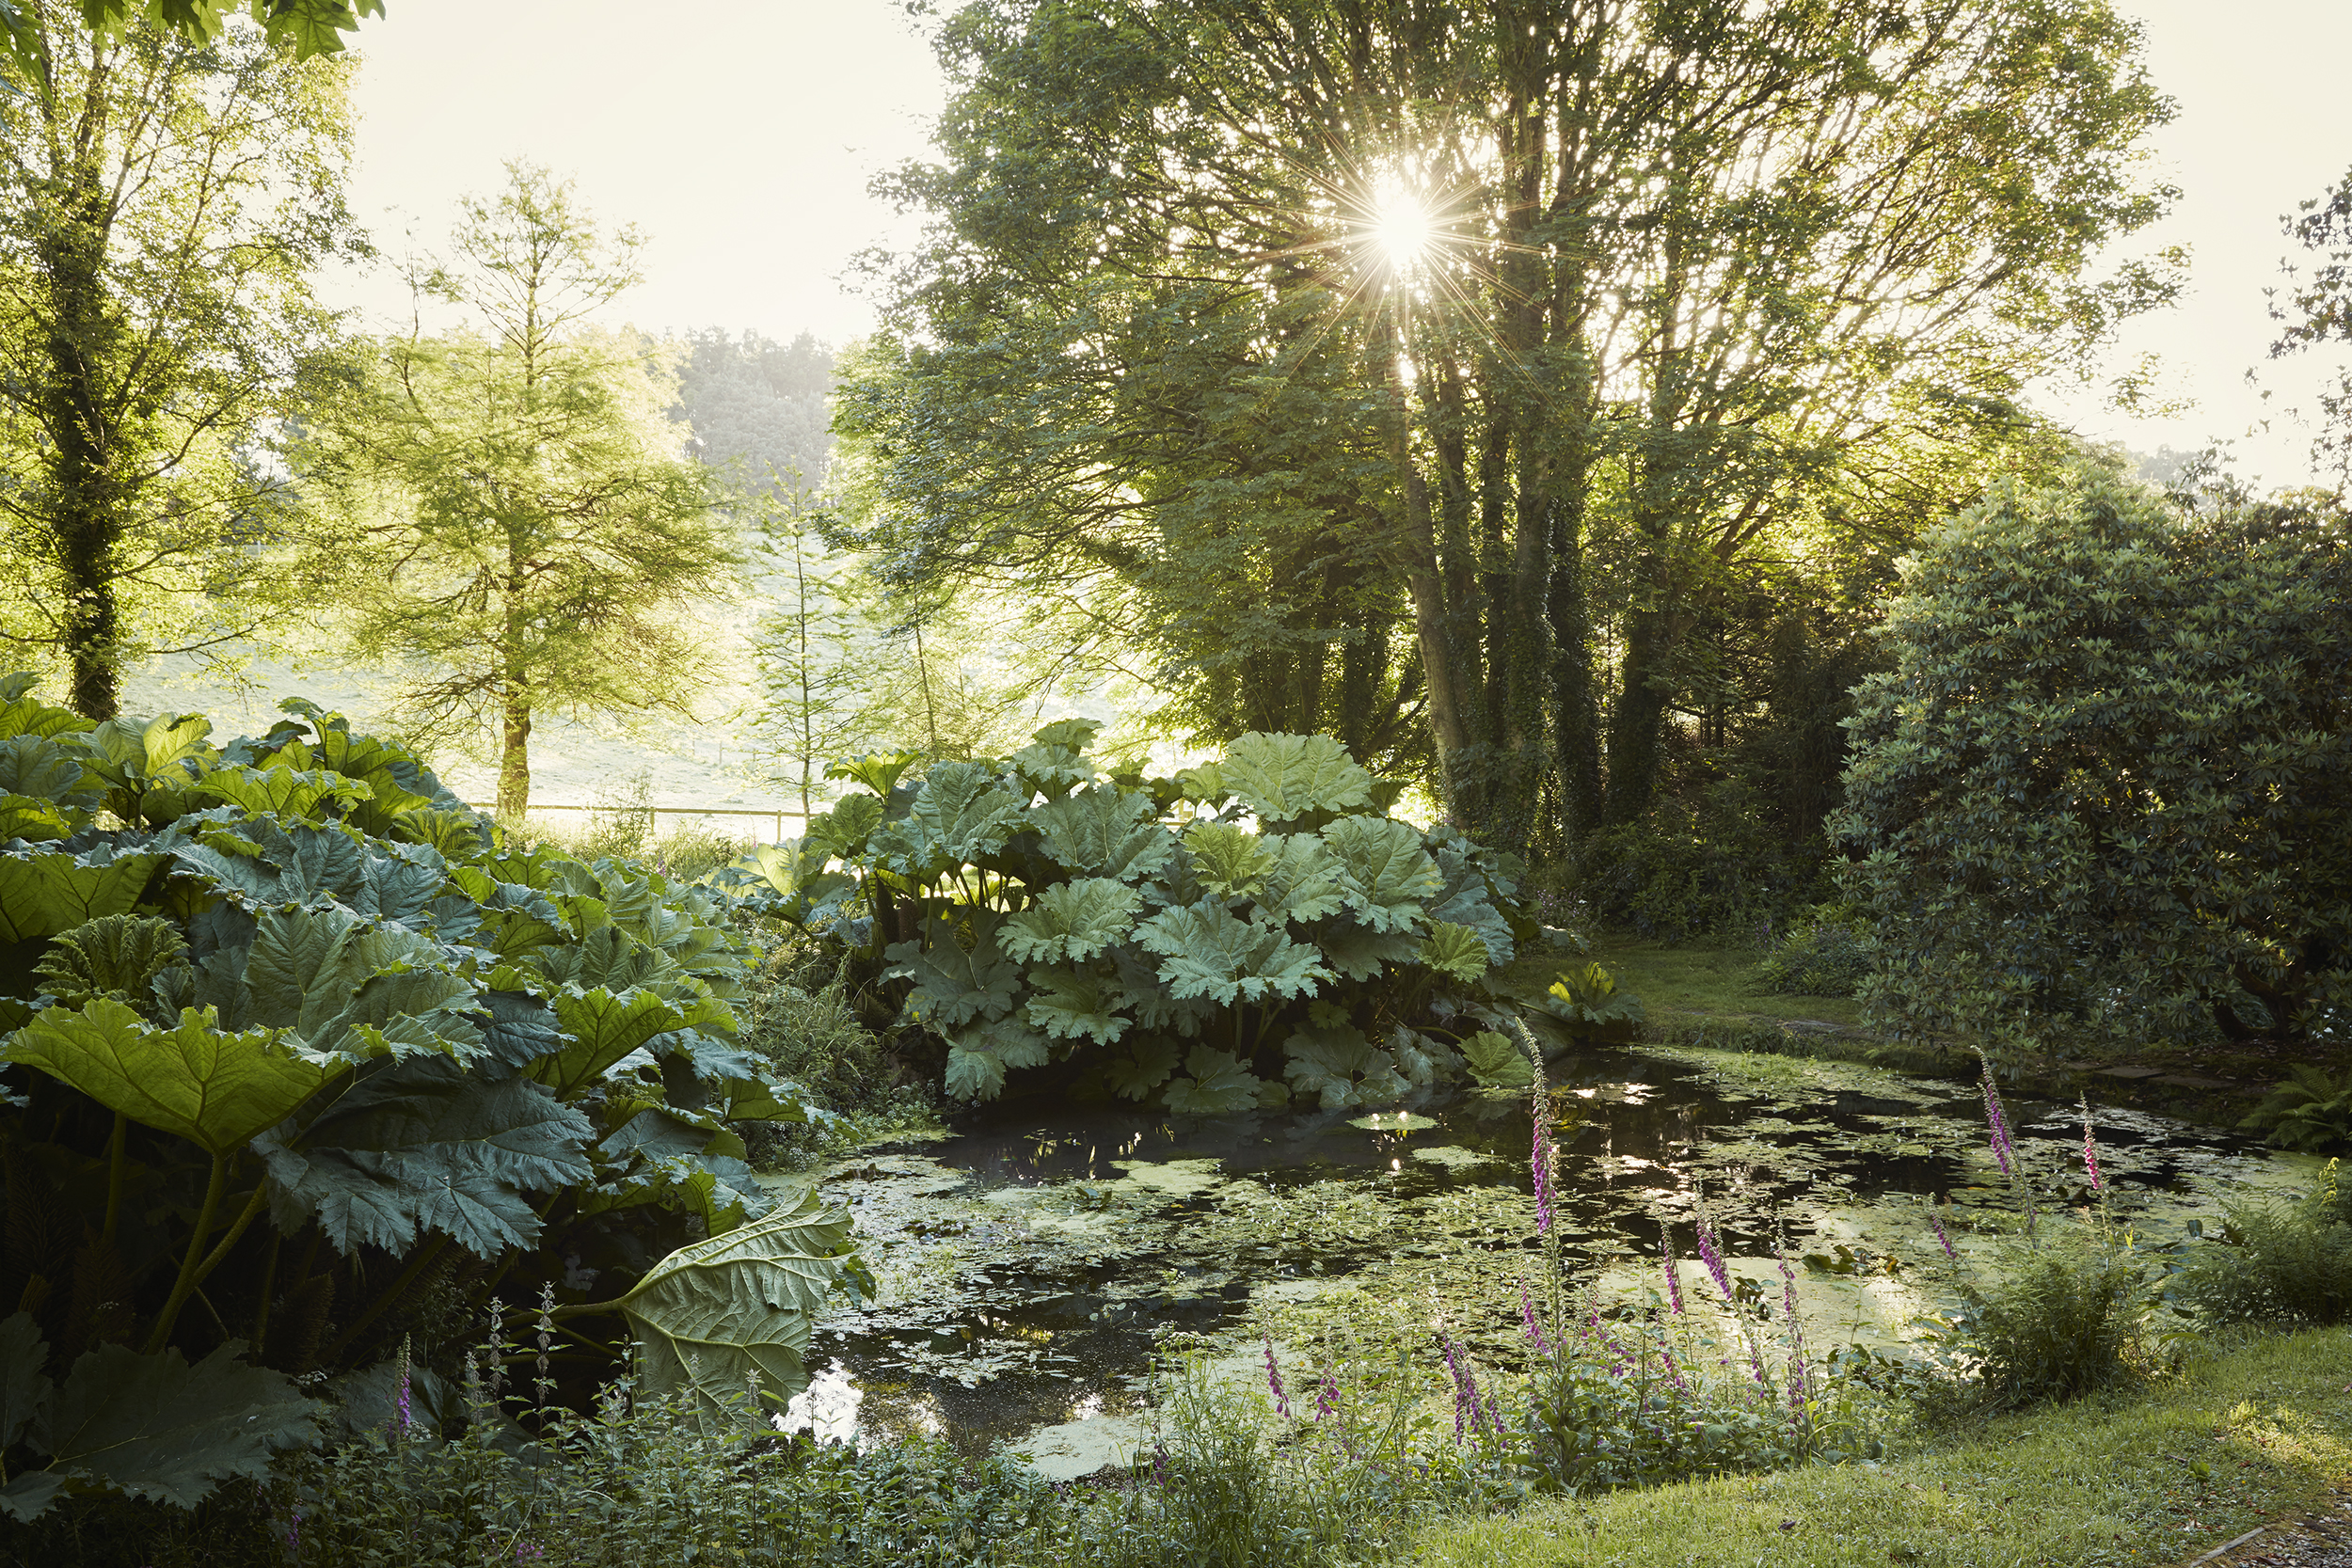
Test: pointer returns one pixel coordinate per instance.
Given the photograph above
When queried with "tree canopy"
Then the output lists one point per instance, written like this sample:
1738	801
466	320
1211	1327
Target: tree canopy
528	534
163	206
1322	348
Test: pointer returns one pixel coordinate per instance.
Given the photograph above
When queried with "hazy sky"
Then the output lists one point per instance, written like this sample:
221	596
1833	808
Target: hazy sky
740	137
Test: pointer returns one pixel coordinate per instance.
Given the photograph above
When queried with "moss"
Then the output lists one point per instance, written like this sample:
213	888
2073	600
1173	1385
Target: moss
2231	1443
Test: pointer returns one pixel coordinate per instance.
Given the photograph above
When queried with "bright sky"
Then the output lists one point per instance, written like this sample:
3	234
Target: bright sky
740	135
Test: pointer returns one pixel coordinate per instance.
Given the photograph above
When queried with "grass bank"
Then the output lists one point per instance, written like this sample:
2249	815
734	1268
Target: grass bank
2155	1477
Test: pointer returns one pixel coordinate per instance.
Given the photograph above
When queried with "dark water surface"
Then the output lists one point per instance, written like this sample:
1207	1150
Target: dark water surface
1033	1260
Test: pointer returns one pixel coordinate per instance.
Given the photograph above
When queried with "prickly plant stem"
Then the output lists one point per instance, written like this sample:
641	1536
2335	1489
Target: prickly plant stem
185	1283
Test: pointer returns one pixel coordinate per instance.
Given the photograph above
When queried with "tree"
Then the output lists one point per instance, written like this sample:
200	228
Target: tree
163	206
813	653
2317	309
2104	786
1350	330
530	535
308	27
757	408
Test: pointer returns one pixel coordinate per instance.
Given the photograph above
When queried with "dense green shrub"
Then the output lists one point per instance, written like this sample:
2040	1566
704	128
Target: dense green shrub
2106	783
2277	1262
1713	864
1826	953
300	1058
1255	928
2059	1320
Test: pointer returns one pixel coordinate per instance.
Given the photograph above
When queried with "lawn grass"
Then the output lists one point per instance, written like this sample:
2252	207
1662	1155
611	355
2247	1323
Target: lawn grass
1685	984
2104	1483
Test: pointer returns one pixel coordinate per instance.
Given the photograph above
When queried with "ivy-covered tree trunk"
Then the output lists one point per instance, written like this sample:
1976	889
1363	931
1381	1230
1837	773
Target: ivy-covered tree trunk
89	500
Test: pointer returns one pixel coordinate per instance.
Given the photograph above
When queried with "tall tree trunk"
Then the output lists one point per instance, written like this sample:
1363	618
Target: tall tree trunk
515	757
81	463
513	796
1427	590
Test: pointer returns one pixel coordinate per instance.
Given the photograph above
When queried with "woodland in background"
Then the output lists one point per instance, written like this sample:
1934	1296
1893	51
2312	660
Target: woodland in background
1720	307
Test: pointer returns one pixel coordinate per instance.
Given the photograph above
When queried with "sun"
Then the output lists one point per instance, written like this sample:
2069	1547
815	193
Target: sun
1401	227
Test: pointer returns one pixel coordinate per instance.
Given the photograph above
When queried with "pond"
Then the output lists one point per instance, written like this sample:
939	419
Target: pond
1032	1262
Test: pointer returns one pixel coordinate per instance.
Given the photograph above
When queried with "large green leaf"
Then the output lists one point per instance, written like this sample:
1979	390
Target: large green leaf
424	1145
214	1088
148	767
1143	1064
1456	951
358	987
280	791
1207	952
714	1317
1105	832
43	894
878	772
1072	921
51	771
955	984
1466	894
610	957
604	1027
1331	1059
1498	1062
979	1054
1069	1005
841	833
267	863
1305	881
1228	860
964	810
22	713
1360	953
116	956
1282	777
153	1426
1220	1083
1389	876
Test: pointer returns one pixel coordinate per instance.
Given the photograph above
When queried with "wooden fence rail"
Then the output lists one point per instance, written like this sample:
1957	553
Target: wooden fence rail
655	814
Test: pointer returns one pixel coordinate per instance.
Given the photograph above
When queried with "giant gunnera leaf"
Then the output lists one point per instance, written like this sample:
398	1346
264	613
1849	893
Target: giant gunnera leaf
1389	876
1332	1060
196	1081
1228	860
1218	1085
1071	1005
1071	922
955	983
42	893
721	1315
421	1145
149	1427
1208	952
1285	777
1105	832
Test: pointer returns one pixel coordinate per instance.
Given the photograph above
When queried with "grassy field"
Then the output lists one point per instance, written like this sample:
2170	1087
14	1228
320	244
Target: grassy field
2234	1441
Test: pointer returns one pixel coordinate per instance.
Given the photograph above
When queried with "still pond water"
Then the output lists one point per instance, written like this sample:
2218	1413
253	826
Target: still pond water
1031	1263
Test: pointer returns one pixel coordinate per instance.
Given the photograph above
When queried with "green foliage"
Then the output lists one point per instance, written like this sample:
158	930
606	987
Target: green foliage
2058	1321
1588	1003
2104	786
141	1426
2311	1110
1714	863
1032	910
1823	955
2277	1262
300	1039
